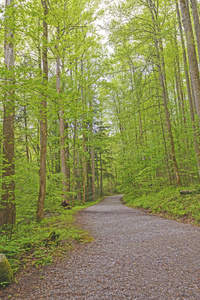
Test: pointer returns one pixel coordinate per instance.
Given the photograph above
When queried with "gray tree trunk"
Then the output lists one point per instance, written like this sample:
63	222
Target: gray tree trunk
193	64
163	85
192	115
84	147
43	121
62	131
196	24
7	204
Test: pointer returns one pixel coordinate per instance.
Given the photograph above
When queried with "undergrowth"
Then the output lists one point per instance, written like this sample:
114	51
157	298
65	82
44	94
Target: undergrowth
35	244
169	203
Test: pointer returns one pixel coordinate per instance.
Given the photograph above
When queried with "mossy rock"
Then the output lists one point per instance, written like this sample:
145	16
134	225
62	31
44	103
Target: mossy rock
6	273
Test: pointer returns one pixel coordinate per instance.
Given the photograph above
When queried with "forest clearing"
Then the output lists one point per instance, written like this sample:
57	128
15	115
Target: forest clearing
98	98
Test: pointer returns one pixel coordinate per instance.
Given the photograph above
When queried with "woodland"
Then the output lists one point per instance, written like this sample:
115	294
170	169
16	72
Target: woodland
97	98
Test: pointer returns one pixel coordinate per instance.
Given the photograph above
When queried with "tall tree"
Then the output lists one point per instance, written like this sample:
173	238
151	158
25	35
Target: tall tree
193	64
7	208
163	84
65	179
195	14
43	119
192	114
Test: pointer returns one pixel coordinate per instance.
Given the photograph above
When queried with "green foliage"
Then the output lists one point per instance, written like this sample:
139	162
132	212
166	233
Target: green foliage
169	203
34	244
111	103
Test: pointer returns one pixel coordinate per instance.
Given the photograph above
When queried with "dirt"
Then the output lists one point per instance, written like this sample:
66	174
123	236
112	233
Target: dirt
134	256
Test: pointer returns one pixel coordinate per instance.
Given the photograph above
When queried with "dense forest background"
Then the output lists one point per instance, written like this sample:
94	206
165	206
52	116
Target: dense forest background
96	98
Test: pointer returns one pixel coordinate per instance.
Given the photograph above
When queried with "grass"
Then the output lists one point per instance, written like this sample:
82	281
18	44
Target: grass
169	203
34	244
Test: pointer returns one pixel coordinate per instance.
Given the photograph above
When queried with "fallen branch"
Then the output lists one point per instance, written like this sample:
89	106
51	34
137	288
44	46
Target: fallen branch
185	192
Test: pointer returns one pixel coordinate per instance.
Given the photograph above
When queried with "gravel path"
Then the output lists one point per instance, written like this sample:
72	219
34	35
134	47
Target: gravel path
134	256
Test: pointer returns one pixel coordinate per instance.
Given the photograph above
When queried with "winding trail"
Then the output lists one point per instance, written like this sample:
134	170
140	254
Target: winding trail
134	256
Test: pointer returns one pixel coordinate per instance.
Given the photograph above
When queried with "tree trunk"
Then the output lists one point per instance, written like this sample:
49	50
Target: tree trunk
74	161
26	135
63	158
196	24
62	131
163	85
193	64
167	115
67	157
89	174
93	173
7	204
43	121
84	167
78	181
195	134
83	128
92	156
101	177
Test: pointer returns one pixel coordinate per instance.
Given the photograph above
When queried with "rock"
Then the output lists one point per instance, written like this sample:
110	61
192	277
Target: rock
6	273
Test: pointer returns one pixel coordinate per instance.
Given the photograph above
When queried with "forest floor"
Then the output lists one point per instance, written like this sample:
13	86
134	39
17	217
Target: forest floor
134	256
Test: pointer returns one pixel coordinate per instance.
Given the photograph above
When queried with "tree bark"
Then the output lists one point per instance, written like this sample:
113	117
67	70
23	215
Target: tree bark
78	180
193	64
74	161
192	115
162	130
163	85
43	121
196	24
64	182
92	155
67	157
26	135
89	174
83	135
101	177
93	173
167	115
7	204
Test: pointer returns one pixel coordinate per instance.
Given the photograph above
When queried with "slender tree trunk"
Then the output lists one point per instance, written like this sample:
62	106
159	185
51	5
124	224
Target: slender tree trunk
92	158
192	115
63	158
183	126
196	24
89	174
168	122
88	164
74	161
164	138
163	84
43	121
67	157
84	167
84	147
93	173
62	131
7	204
193	64
78	172
111	169
26	135
179	80
101	177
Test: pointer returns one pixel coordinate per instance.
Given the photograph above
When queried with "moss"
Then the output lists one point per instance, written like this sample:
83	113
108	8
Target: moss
6	273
